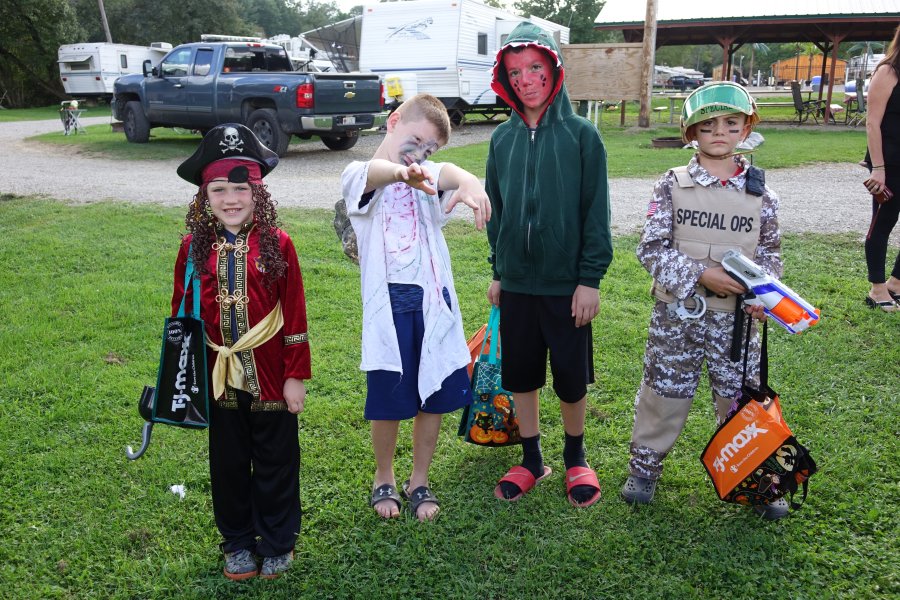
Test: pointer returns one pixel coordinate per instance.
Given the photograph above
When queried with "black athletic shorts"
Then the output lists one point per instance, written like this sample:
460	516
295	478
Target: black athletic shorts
532	325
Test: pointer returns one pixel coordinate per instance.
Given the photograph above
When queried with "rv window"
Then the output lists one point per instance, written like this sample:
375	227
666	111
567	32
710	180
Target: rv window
123	61
176	64
482	44
203	62
84	65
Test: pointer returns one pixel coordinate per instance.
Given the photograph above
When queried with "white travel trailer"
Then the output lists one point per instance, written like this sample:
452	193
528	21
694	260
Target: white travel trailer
445	48
90	69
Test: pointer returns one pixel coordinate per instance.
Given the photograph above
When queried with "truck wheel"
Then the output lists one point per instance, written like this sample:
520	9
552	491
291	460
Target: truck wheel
264	123
341	142
135	124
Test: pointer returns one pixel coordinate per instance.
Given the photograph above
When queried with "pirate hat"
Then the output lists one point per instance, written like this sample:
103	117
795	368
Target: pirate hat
228	140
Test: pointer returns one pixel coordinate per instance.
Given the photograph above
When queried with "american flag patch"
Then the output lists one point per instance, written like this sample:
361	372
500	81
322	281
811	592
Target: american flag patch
651	208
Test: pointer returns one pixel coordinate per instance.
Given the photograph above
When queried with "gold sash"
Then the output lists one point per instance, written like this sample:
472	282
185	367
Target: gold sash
228	368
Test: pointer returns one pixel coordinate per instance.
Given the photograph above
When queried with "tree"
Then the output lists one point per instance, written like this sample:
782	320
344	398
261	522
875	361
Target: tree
577	15
271	17
701	57
754	48
182	21
87	13
31	31
314	14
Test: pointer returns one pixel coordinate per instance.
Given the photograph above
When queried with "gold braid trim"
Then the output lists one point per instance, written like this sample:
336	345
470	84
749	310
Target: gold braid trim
227	404
255	405
297	338
222	248
268	406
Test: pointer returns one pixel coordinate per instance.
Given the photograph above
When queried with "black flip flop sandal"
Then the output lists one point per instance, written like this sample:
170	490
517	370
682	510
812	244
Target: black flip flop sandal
885	305
418	497
385	491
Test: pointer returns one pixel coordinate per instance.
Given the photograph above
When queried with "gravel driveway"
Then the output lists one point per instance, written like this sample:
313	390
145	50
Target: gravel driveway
820	198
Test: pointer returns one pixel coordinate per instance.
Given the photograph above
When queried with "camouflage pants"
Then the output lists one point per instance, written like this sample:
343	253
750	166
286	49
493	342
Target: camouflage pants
676	351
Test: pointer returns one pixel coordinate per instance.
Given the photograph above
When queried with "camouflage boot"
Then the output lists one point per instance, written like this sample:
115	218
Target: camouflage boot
774	510
273	566
240	565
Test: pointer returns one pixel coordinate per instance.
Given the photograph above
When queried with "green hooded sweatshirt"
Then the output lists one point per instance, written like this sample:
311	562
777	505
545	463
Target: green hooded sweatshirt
550	229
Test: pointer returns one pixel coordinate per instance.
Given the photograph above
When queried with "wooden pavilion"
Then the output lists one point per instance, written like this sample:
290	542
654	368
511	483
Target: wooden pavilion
825	23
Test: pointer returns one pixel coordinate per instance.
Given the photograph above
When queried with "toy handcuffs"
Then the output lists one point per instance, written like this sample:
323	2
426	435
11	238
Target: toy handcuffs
680	310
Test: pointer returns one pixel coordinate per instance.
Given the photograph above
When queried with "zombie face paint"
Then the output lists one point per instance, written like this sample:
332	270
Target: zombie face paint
530	74
412	141
415	150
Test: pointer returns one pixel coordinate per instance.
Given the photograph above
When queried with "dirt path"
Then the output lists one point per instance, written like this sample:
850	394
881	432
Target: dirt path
819	198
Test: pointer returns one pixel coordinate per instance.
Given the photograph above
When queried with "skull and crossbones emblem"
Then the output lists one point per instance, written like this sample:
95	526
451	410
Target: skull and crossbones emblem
232	141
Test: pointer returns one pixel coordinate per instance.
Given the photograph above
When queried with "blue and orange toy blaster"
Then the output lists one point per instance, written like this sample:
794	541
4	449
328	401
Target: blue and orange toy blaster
779	301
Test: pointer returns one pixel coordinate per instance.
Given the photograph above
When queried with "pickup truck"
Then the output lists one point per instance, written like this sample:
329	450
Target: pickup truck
200	85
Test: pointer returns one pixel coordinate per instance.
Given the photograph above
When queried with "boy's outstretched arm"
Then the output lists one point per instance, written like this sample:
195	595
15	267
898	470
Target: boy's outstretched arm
469	191
384	172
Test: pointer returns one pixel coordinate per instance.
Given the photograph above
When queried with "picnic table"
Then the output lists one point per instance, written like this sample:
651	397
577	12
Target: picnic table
675	98
672	100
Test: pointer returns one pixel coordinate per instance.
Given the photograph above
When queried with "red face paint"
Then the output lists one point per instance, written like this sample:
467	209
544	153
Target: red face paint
528	72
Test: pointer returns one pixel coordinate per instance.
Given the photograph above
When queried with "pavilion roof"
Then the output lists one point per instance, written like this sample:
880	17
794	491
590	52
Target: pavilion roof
685	22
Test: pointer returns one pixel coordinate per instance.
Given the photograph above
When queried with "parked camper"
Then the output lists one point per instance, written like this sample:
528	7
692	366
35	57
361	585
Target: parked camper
445	48
90	69
304	55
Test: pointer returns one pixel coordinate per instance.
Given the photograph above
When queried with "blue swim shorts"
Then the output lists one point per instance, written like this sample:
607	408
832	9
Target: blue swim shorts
391	397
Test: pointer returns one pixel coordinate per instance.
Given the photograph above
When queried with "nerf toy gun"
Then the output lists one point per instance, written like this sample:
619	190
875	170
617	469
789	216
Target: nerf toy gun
780	302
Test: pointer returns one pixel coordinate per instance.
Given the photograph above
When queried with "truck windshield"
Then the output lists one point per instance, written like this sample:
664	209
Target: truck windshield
245	60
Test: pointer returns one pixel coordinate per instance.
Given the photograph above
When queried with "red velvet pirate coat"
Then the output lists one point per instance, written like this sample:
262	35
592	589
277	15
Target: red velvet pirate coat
284	355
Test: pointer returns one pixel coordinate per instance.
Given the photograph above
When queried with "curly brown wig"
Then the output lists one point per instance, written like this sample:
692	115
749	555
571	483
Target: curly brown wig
204	226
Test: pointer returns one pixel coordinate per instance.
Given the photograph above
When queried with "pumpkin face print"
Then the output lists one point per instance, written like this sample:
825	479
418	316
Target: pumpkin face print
479	435
500	437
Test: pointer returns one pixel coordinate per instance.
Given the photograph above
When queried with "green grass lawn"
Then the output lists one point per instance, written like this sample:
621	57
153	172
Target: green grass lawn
629	150
86	289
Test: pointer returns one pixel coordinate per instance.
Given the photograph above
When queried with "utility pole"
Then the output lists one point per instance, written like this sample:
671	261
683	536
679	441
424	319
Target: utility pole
105	22
648	64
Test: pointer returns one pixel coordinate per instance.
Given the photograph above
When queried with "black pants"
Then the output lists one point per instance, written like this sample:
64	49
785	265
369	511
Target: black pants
882	224
254	467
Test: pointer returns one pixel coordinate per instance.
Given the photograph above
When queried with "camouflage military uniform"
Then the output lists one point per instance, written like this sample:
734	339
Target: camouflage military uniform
677	347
